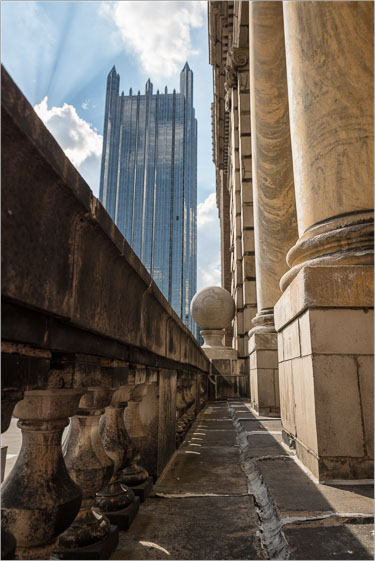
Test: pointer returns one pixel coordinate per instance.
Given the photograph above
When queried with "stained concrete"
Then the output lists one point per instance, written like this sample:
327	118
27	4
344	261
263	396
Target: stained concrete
349	541
179	526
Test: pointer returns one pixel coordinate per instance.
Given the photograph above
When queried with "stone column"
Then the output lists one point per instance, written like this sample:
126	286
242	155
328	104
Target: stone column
116	500
91	468
39	499
275	224
323	317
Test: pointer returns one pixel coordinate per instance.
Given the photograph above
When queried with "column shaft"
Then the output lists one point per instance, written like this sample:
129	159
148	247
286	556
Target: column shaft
275	224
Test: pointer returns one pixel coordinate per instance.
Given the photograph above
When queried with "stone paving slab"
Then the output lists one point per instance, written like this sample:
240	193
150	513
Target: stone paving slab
192	528
346	541
212	416
210	438
213	424
203	470
298	495
266	444
200	507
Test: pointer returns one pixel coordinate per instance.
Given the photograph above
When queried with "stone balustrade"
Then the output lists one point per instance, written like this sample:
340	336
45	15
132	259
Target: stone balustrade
87	335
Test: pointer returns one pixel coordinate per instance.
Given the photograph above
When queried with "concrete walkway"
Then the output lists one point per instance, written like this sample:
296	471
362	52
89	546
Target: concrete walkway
233	491
200	507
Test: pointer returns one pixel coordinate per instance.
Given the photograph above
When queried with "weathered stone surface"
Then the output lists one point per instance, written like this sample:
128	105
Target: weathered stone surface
91	469
80	243
198	498
212	308
39	499
183	529
300	496
343	287
345	541
142	490
190	470
333	137
273	186
116	496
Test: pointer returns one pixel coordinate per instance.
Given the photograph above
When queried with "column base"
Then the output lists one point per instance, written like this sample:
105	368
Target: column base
264	373
326	370
124	518
99	550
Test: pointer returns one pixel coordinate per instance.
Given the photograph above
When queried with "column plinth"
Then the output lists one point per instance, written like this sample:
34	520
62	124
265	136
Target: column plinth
39	498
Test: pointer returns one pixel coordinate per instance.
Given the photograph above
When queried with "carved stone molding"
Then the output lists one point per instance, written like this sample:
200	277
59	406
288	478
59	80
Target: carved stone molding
239	57
237	60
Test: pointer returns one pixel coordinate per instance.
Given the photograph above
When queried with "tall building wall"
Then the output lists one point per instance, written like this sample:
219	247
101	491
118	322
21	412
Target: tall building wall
149	182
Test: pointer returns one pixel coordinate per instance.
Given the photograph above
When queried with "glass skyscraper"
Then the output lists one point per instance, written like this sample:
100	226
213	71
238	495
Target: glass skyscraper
148	182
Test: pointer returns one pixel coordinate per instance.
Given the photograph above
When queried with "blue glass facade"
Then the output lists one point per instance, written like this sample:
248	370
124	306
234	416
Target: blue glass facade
148	182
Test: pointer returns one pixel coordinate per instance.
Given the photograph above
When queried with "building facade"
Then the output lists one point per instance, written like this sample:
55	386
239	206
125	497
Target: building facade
293	147
148	182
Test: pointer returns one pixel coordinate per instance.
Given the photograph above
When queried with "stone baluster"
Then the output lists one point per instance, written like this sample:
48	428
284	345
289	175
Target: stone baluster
132	474
91	468
116	500
324	316
39	499
275	222
9	399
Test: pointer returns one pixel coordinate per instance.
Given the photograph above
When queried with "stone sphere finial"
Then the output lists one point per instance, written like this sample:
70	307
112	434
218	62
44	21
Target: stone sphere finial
212	308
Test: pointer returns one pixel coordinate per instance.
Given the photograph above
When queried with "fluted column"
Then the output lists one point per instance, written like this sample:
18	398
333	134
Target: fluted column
91	468
39	499
324	316
116	500
275	225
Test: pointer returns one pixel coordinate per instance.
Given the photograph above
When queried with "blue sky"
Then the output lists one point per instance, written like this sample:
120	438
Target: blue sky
59	55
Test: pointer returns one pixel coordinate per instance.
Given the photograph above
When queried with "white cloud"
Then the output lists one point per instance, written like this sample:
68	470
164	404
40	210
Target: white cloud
209	259
80	142
159	33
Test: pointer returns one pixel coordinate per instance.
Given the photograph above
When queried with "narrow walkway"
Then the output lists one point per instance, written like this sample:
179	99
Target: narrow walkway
200	507
234	491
